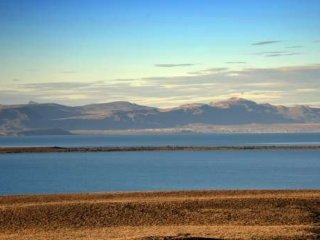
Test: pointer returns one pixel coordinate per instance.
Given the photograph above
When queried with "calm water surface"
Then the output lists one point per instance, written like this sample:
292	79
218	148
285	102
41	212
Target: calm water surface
163	140
137	171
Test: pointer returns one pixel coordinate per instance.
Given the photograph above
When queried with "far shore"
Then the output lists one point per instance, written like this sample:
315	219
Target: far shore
276	128
55	149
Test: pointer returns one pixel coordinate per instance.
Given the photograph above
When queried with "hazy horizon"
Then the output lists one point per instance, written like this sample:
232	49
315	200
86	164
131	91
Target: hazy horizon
159	53
165	107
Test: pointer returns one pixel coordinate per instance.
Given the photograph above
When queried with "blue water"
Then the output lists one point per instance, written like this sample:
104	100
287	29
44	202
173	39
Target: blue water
158	140
138	171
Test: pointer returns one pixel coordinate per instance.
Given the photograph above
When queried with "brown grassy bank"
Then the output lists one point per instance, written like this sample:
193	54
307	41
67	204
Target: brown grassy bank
4	150
158	215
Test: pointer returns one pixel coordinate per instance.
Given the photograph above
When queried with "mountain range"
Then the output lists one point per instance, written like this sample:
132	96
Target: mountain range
33	117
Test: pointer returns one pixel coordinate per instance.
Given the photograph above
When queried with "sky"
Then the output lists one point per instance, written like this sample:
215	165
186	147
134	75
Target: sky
159	52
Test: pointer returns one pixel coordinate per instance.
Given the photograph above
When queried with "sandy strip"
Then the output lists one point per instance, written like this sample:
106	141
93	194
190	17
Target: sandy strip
6	150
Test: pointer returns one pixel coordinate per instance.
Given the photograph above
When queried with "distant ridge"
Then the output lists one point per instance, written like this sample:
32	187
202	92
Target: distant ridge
32	102
125	115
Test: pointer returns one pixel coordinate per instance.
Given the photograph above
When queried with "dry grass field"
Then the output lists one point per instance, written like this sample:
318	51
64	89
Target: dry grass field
163	215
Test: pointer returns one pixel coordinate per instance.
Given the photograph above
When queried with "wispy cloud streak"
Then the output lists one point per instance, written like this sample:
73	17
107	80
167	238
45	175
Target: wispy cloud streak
278	53
264	43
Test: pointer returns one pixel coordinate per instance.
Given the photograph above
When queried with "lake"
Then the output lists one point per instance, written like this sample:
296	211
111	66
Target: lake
164	140
140	171
146	171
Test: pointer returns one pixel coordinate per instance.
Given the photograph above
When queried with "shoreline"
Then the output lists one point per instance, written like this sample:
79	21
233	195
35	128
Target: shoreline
211	214
159	193
55	149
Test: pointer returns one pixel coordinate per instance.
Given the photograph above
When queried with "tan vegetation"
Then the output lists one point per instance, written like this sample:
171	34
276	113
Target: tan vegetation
163	215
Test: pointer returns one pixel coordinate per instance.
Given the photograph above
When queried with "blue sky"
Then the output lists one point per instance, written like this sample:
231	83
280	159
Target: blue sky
161	53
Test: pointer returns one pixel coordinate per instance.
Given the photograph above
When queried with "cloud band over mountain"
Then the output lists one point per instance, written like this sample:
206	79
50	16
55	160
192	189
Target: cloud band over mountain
282	85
